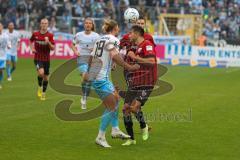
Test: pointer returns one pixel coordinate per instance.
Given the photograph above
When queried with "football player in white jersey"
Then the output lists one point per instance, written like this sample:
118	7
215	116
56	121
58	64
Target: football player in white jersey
106	50
83	43
4	45
14	37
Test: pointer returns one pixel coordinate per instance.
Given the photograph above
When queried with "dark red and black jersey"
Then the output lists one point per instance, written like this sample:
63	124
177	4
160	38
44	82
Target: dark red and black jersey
42	48
130	46
125	42
149	37
147	74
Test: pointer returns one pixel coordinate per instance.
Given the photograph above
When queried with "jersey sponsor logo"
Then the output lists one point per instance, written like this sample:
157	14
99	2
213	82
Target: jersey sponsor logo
149	48
41	42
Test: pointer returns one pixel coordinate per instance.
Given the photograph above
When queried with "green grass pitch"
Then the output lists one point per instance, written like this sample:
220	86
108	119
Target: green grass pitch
30	130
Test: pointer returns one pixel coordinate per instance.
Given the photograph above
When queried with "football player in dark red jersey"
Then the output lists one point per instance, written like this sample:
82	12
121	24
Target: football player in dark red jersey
126	45
140	82
41	43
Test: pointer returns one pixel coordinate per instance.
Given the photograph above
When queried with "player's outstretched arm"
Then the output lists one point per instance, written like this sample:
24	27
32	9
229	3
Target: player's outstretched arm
119	61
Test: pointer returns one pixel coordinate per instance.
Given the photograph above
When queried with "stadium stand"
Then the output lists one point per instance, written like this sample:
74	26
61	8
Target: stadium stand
221	17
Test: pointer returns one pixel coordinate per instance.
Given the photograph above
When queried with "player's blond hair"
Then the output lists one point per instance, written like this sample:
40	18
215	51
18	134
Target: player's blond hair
93	23
109	25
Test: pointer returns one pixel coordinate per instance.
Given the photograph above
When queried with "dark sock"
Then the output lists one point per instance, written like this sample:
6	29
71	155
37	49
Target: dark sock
86	87
140	118
40	81
129	125
45	84
13	69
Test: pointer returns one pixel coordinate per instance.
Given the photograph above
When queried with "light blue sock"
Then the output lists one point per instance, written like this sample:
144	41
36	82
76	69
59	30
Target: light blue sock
8	69
115	117
106	119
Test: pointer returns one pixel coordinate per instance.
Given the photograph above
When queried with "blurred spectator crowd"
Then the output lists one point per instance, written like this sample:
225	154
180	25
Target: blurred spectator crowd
221	17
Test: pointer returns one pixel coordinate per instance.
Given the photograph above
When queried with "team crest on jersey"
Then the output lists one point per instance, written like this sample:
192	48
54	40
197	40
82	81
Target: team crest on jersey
149	48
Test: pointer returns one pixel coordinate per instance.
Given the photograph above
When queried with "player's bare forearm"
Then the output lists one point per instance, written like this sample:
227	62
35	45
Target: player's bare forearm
51	46
119	61
75	51
32	47
146	61
143	61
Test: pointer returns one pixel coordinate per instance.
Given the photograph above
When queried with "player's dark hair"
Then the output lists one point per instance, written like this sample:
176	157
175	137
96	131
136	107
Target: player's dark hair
109	25
93	24
141	17
44	19
138	29
10	22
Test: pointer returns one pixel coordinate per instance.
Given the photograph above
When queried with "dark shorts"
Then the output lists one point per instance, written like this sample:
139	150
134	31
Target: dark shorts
44	65
140	94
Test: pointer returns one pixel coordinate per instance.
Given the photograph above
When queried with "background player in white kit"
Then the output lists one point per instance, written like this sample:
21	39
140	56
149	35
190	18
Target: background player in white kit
14	37
106	49
83	43
4	45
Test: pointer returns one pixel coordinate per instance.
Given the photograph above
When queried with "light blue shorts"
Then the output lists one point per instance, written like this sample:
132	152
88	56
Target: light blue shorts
12	58
103	88
2	64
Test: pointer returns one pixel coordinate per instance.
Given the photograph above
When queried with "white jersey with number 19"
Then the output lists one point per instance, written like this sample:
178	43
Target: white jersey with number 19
101	51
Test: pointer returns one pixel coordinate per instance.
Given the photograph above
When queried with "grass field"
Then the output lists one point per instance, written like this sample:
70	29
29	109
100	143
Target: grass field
30	130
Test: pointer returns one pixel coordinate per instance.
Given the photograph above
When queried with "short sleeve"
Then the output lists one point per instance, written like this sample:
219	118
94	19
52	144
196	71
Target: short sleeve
32	37
97	36
75	39
149	38
113	43
52	39
149	49
125	42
